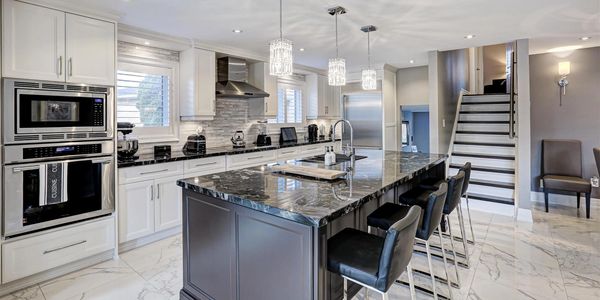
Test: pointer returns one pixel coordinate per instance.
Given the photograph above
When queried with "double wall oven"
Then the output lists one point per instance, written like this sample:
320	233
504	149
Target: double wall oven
58	154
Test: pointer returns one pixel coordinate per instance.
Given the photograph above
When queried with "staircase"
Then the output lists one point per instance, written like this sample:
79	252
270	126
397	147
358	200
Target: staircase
482	138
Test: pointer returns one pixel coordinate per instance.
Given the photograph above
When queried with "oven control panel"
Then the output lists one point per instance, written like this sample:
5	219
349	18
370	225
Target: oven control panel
53	151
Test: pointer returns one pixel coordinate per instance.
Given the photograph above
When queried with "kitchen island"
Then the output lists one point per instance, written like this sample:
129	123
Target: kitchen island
255	234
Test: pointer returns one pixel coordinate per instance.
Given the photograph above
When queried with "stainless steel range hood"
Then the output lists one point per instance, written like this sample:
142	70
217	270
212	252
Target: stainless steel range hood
232	80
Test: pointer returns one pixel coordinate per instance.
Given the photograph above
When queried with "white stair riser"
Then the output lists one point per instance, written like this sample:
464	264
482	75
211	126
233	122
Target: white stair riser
484	138
491	191
483	127
483	117
491	150
485	98
484	162
499	177
485	107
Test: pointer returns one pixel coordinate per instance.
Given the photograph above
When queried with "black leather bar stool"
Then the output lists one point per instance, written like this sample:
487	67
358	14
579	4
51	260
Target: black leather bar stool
372	261
432	204
455	188
465	193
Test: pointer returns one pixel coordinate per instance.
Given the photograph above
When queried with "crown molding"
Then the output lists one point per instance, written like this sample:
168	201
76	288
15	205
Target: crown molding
79	9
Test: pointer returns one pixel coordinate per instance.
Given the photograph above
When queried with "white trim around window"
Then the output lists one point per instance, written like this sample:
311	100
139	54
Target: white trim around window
171	69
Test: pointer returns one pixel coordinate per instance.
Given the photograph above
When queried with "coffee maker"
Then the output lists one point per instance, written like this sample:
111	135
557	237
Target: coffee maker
313	132
196	143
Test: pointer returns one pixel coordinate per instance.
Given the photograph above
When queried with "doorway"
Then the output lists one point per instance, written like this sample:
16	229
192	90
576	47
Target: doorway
415	128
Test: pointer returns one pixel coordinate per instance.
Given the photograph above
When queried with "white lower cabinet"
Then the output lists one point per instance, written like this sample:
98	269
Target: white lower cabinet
167	205
136	210
31	255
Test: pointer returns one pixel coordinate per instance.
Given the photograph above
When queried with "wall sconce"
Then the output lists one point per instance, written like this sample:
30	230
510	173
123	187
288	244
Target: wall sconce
564	68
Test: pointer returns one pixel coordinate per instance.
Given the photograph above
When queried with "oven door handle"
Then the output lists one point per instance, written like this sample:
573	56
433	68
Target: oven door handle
102	161
28	168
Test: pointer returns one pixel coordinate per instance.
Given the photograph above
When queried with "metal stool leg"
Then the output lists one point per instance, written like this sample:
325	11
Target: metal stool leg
469	215
453	250
384	296
366	293
368	229
461	223
435	296
411	282
345	289
445	263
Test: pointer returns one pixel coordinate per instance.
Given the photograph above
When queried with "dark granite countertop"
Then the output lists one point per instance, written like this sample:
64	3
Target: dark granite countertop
177	155
314	202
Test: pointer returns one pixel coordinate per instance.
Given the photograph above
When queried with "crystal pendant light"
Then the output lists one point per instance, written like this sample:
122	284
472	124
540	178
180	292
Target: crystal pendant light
281	60
337	65
369	75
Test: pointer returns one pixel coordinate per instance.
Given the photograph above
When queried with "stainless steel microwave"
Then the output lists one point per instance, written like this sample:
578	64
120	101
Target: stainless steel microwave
37	112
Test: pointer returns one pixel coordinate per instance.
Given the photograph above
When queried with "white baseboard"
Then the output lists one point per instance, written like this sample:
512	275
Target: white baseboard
524	215
567	200
126	246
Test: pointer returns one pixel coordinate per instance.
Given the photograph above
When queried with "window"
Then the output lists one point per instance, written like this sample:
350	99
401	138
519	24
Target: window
145	93
405	133
289	109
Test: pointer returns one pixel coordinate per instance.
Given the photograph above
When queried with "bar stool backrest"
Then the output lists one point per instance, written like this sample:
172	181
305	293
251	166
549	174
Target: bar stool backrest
455	188
432	215
467	169
397	249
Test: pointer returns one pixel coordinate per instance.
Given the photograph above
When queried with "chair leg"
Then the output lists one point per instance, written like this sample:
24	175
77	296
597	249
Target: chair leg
469	215
453	250
345	289
384	296
461	223
578	200
368	229
366	293
411	282
435	296
546	199
445	264
587	204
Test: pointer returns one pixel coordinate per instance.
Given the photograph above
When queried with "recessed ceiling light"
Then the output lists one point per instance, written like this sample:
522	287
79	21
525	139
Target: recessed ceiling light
301	49
564	48
585	38
469	36
146	43
411	61
237	31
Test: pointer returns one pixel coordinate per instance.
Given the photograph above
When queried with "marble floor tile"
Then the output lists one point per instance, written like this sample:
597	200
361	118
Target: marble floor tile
30	293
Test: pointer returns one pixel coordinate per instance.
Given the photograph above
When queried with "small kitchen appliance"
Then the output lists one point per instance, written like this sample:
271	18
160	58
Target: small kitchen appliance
313	132
196	143
288	135
262	139
126	146
238	139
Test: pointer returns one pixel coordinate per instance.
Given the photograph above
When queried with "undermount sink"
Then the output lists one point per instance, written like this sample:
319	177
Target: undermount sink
339	158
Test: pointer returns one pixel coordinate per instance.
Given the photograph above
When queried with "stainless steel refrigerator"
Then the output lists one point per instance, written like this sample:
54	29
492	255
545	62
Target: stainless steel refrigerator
364	111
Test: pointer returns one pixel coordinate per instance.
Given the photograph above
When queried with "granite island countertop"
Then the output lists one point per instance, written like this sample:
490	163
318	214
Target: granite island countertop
178	155
309	201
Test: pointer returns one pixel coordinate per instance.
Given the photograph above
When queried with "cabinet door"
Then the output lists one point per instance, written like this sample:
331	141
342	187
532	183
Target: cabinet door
167	206
33	42
323	96
205	82
90	50
335	102
136	210
271	102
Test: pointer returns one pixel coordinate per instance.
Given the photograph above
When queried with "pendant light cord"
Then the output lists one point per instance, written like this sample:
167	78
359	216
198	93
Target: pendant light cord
369	48
337	54
280	19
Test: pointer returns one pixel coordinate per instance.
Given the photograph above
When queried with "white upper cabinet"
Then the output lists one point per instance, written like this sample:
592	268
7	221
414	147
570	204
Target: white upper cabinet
40	43
90	50
324	100
258	76
197	91
33	42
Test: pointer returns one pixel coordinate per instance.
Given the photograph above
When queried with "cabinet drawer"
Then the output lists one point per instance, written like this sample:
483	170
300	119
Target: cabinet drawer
250	159
205	166
288	153
141	173
32	255
316	149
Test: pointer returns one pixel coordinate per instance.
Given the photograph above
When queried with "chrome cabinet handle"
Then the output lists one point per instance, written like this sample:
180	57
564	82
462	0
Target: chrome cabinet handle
152	172
21	169
70	66
266	106
157	191
152	192
288	152
206	164
64	247
60	65
102	161
254	157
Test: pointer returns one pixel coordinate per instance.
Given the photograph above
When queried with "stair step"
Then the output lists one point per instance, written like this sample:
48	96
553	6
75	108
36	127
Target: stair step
485	102
504	157
489	198
487	150
485	98
484	144
486	127
481	132
485	107
504	185
483	122
494	191
483	138
486	112
481	175
486	169
483	162
483	116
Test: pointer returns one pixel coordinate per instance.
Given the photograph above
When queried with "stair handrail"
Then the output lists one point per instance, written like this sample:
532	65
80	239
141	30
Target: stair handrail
512	94
462	93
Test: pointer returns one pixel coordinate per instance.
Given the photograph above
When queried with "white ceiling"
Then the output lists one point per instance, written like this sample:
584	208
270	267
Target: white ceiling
406	29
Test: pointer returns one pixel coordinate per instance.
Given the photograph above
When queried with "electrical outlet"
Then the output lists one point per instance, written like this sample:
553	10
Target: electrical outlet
595	181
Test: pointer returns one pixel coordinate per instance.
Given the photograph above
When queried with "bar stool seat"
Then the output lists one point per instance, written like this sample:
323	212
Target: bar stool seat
386	215
431	184
355	254
416	196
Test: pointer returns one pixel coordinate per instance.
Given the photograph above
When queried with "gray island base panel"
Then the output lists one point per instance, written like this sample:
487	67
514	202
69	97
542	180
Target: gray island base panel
253	234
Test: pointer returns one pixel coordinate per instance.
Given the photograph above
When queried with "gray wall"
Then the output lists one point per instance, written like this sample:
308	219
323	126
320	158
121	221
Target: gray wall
421	131
578	117
412	86
494	63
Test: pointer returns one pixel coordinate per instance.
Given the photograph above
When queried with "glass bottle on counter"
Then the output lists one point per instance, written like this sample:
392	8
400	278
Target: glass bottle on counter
327	157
